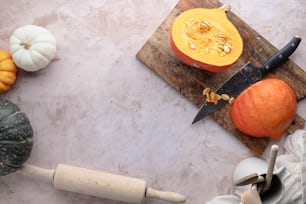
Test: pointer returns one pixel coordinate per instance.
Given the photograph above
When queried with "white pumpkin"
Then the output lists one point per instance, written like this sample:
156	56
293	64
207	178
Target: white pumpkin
32	47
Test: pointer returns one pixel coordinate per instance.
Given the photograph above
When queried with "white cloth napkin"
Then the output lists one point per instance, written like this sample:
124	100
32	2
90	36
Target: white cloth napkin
226	199
294	160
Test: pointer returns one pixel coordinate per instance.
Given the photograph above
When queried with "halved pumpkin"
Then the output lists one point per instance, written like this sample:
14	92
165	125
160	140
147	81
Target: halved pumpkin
206	39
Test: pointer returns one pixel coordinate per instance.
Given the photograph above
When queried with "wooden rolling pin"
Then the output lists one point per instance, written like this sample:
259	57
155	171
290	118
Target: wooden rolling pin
100	184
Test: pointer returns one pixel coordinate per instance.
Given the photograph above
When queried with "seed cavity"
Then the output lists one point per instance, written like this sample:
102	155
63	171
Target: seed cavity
203	37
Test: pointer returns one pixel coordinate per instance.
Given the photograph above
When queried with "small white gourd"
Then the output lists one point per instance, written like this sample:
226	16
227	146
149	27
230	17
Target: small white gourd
32	47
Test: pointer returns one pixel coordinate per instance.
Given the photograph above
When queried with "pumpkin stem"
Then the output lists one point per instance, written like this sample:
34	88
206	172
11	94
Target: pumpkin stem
26	45
226	7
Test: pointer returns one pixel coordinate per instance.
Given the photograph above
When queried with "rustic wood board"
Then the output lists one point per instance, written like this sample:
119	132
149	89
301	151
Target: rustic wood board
190	82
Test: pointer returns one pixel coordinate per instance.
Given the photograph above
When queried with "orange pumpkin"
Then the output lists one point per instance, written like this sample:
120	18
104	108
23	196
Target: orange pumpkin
7	71
206	39
265	109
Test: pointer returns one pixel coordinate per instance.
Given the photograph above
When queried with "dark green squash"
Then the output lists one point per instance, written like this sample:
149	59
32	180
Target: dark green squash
16	137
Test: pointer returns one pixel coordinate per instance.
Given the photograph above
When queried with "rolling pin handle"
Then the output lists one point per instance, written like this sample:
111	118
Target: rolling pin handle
37	173
165	196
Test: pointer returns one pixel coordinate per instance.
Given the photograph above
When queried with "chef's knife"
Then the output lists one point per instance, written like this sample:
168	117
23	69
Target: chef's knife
246	76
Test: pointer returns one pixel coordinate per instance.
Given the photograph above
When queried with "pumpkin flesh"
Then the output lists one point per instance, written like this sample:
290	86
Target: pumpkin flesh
265	109
205	38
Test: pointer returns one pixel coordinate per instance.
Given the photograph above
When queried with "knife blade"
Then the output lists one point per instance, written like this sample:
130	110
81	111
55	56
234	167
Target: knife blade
246	76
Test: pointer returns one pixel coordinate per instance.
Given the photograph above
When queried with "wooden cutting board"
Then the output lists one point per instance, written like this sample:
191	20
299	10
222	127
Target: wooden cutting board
190	82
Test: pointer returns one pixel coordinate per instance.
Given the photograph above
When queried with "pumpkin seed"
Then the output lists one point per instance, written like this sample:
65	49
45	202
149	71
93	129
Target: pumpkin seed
225	97
226	49
220	47
222	54
204	26
221	42
221	35
206	91
214	97
193	46
231	100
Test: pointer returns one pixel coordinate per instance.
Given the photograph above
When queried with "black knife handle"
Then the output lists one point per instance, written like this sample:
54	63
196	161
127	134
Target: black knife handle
281	56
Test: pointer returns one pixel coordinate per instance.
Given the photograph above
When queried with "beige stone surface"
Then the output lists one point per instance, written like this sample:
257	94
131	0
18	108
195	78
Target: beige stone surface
96	106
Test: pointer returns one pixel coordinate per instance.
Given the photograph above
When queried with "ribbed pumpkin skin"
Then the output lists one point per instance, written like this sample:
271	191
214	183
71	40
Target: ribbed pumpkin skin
16	137
8	71
32	47
265	109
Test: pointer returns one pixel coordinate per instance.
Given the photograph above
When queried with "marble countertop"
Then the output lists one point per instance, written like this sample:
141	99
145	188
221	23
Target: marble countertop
98	107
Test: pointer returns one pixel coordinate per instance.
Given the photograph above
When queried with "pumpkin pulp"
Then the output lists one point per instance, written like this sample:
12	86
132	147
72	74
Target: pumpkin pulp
205	38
